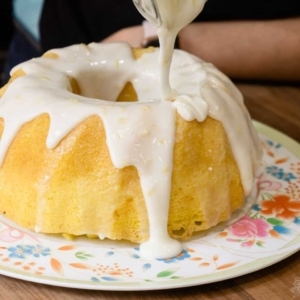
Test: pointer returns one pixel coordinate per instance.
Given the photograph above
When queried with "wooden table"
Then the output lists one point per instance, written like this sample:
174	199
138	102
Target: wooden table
277	106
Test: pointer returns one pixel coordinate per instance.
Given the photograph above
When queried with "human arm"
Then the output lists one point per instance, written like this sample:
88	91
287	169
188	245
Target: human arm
256	50
250	50
132	35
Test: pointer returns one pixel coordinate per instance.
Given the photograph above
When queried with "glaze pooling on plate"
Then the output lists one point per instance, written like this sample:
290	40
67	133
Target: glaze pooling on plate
270	236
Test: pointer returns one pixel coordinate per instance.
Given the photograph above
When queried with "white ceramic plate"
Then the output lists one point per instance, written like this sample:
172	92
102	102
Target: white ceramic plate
269	233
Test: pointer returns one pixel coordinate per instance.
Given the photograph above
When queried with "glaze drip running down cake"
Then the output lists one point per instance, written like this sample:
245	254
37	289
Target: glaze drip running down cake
72	163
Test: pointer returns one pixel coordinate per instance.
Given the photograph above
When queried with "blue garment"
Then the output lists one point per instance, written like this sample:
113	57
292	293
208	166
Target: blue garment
27	14
20	50
25	43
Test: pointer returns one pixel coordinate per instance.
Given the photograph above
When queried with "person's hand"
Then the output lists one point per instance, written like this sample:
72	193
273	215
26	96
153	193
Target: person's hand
131	35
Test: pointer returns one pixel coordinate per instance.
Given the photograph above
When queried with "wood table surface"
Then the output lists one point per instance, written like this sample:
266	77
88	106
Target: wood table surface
274	105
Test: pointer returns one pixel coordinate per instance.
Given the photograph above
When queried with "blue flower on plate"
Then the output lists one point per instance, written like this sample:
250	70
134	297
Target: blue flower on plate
181	256
280	174
256	207
272	170
271	143
40	250
20	251
297	220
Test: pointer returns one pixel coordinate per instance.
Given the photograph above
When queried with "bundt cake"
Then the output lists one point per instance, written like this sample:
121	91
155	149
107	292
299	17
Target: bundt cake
88	148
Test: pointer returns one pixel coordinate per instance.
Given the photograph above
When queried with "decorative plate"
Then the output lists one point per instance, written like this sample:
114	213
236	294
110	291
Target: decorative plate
268	233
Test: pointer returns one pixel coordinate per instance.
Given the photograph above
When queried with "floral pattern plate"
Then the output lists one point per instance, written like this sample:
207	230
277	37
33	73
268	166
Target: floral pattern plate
266	234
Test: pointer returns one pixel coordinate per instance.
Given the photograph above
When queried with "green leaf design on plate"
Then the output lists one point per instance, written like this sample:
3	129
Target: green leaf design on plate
167	273
83	255
274	221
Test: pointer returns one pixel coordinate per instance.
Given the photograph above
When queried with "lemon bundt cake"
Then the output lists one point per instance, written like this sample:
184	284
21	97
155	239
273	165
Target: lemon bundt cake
129	166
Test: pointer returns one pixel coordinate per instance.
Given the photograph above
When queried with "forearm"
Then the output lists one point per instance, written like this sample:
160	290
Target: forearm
248	49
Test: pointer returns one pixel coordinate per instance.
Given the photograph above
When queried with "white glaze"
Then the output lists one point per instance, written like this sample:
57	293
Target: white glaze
174	15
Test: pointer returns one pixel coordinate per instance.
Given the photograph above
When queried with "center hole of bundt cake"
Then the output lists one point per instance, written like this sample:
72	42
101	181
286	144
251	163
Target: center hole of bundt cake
127	94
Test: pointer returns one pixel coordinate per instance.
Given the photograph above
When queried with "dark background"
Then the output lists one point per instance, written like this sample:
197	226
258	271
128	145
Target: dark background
6	29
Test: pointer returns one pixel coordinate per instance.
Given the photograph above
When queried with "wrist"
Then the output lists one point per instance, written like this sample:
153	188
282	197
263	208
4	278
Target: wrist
150	37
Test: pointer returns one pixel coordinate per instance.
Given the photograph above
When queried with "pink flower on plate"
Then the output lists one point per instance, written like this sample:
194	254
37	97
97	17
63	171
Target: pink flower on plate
11	235
267	185
250	228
